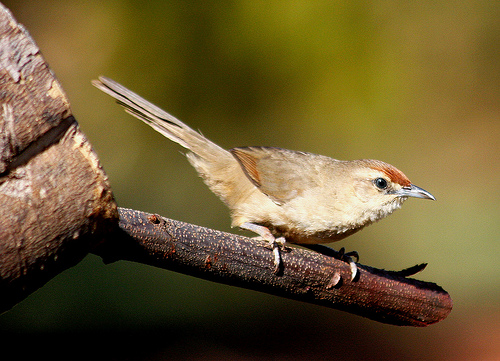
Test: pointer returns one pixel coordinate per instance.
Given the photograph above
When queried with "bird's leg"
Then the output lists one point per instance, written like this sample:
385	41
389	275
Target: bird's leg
347	257
340	254
276	244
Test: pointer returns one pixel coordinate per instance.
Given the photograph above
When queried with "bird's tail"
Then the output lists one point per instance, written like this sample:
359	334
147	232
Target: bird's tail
161	121
218	168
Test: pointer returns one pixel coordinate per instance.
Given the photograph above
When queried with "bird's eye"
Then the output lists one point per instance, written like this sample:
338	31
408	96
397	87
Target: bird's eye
380	183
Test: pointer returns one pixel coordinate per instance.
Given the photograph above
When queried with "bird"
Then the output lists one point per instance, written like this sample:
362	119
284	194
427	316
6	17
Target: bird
282	195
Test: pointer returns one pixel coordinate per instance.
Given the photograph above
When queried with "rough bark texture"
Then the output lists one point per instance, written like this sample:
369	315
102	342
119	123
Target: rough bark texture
54	196
308	276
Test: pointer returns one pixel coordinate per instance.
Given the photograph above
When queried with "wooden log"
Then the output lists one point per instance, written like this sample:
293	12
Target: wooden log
55	199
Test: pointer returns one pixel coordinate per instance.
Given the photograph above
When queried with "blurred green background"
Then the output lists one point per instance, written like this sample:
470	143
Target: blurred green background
416	84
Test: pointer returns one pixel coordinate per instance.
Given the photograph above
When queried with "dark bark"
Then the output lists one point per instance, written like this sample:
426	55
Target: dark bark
308	276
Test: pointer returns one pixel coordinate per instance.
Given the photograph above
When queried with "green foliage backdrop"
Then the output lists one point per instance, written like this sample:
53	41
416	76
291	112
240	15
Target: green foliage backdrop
416	84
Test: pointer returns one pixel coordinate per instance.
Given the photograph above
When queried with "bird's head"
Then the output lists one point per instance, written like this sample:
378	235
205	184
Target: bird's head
381	188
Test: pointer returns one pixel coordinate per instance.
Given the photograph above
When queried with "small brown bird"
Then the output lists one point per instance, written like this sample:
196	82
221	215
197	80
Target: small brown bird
282	194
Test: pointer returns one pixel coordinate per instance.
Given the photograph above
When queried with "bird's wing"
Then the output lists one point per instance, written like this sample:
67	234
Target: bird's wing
280	174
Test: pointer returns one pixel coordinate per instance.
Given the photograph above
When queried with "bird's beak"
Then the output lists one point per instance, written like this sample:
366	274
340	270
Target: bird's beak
414	191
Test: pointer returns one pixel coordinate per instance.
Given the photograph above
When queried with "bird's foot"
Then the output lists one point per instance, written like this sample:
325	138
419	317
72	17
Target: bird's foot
340	255
347	257
277	245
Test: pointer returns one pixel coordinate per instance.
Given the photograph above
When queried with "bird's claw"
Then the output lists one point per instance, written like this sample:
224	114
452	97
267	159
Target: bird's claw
347	257
350	254
340	255
278	242
277	245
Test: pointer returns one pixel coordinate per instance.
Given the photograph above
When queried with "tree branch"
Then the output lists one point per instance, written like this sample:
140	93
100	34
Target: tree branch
308	276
